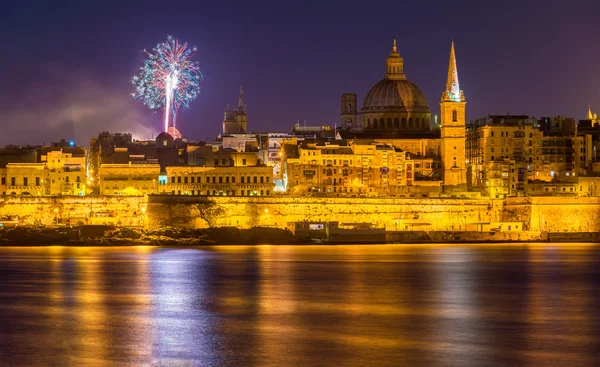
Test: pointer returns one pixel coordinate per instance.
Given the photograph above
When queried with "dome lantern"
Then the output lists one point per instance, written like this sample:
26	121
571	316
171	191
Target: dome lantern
395	65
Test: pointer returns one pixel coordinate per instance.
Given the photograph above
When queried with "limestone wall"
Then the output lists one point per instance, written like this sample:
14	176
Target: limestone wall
392	214
553	214
73	209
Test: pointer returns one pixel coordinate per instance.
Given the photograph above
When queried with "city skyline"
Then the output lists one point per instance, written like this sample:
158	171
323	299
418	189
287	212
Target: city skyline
289	73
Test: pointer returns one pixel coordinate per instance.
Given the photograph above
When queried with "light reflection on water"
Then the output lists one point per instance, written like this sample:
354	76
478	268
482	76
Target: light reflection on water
310	305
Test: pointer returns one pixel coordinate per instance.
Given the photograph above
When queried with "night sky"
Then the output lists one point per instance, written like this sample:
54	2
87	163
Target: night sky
65	66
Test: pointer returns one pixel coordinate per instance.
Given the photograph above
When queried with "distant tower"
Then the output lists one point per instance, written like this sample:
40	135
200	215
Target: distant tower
234	121
452	110
348	111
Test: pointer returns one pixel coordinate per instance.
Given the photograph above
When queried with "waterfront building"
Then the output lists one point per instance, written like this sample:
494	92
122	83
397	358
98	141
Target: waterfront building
218	180
357	168
128	179
218	172
58	169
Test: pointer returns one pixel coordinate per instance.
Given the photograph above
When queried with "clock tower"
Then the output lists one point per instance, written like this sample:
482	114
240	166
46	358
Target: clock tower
452	110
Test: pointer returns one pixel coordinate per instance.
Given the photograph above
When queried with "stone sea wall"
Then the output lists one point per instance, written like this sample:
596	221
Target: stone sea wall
553	214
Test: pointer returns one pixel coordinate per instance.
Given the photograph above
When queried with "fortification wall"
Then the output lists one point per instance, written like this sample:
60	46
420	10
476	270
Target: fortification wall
389	213
553	214
72	209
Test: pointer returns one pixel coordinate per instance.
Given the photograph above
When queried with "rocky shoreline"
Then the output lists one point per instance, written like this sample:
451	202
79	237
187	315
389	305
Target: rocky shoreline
182	237
123	236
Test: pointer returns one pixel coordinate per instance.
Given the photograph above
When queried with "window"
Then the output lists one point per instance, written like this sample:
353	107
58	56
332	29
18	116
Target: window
233	179
25	181
396	122
185	180
268	192
172	180
227	179
244	162
255	179
66	179
37	181
192	179
3	180
220	179
454	116
179	179
207	179
216	162
214	179
492	134
242	179
262	179
223	162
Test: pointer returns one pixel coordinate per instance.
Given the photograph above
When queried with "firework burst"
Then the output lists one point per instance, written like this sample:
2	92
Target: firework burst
168	78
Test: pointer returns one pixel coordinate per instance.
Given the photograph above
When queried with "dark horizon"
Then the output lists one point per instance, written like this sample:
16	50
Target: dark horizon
71	64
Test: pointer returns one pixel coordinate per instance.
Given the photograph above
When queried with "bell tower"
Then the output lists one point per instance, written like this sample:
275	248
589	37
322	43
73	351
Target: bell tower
452	110
348	111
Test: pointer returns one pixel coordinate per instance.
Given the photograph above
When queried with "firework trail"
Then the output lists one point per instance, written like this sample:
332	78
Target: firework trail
168	78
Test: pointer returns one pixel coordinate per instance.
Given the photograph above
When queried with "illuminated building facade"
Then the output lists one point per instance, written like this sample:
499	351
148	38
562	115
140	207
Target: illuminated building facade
60	170
218	181
354	168
128	179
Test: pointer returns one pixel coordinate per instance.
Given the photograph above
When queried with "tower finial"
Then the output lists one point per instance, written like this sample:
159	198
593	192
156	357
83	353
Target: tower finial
452	85
241	106
589	116
394	49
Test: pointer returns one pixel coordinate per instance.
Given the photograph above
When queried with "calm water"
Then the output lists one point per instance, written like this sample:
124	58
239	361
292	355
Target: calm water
404	305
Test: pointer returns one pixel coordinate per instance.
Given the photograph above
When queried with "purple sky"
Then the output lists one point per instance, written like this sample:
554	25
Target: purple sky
65	66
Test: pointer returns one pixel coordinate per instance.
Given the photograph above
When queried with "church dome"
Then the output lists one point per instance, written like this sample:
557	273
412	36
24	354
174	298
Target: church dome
396	94
395	104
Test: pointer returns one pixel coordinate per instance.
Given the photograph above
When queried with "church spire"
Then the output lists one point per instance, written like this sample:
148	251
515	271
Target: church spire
453	91
394	48
590	116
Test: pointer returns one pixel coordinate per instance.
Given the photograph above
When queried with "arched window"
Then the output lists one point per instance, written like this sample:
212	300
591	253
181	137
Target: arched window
404	122
454	116
396	122
410	123
389	123
382	123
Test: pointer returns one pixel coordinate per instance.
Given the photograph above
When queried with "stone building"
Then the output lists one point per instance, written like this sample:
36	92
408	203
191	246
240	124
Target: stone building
219	172
60	170
234	121
128	179
506	153
357	168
